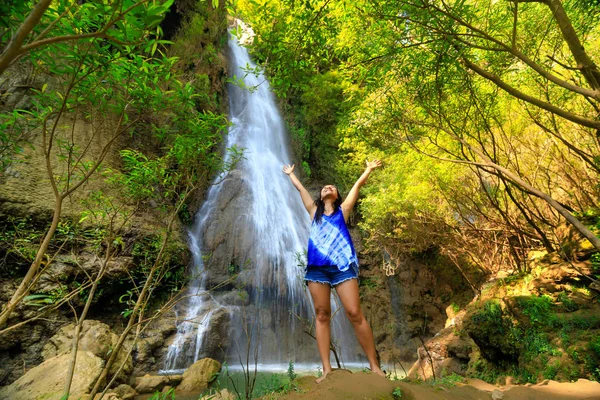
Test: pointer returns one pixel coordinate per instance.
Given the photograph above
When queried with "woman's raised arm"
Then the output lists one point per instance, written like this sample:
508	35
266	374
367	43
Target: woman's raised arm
350	201
308	202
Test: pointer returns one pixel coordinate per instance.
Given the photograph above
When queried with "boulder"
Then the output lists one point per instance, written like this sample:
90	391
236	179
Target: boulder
47	380
95	337
197	377
487	323
125	392
152	383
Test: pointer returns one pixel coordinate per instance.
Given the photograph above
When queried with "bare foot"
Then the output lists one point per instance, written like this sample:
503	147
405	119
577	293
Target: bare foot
322	378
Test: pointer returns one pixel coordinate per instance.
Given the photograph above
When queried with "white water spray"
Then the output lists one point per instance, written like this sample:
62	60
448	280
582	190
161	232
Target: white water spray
268	228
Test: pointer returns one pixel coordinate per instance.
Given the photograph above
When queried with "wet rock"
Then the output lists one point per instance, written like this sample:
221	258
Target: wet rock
228	234
47	380
216	341
95	337
151	345
197	377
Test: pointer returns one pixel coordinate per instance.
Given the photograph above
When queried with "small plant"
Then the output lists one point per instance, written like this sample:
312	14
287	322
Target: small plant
169	395
551	370
369	283
455	307
290	371
568	304
595	259
450	380
397	393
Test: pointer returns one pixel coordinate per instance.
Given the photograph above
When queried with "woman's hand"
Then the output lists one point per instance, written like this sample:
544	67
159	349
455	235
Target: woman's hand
371	165
288	169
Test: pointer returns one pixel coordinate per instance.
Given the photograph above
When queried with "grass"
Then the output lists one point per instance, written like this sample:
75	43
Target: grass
266	383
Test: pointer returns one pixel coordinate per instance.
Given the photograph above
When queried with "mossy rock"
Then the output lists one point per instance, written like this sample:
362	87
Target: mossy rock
492	329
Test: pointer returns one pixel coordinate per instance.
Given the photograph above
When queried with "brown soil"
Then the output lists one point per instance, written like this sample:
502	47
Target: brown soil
343	384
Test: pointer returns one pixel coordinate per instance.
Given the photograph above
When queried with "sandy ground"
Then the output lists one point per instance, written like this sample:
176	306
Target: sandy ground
343	384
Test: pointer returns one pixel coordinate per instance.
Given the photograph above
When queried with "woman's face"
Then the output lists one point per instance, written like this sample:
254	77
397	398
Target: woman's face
329	191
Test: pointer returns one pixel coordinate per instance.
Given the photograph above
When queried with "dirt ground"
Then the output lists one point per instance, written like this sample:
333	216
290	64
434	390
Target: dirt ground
343	384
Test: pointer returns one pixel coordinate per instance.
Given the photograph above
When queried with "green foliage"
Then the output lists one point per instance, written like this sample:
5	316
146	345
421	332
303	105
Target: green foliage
20	237
168	395
537	308
450	379
397	393
87	70
409	82
290	371
595	259
369	284
568	304
145	251
533	345
266	383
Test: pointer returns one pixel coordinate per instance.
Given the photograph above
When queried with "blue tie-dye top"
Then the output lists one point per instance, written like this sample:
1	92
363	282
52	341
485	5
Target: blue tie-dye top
330	243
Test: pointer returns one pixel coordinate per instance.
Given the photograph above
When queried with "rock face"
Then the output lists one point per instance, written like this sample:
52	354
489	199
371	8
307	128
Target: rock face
46	381
197	377
21	348
228	232
410	303
152	341
97	338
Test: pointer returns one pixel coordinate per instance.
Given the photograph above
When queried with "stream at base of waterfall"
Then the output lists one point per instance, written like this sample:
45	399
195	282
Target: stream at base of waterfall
251	232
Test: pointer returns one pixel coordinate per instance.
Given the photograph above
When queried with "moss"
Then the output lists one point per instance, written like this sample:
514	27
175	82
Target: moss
526	338
494	332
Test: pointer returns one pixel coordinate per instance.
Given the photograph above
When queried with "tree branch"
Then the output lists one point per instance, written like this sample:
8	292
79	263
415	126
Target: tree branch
589	123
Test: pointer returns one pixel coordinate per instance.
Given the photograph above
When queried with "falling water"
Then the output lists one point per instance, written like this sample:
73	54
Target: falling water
252	221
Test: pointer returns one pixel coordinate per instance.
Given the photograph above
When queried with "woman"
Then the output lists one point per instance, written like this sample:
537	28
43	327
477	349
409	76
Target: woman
332	262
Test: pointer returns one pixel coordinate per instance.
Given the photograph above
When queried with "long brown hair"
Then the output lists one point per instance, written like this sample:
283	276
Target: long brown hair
321	205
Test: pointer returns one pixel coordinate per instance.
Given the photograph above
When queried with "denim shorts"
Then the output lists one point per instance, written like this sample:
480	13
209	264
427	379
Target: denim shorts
330	274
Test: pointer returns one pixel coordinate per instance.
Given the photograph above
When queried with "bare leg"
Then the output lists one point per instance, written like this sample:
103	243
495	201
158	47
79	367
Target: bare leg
348	294
320	293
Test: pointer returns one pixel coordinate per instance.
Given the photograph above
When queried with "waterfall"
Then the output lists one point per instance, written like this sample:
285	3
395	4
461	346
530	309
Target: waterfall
251	227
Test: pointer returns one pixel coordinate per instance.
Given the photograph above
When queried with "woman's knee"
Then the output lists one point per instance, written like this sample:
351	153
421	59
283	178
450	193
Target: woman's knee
355	315
323	314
